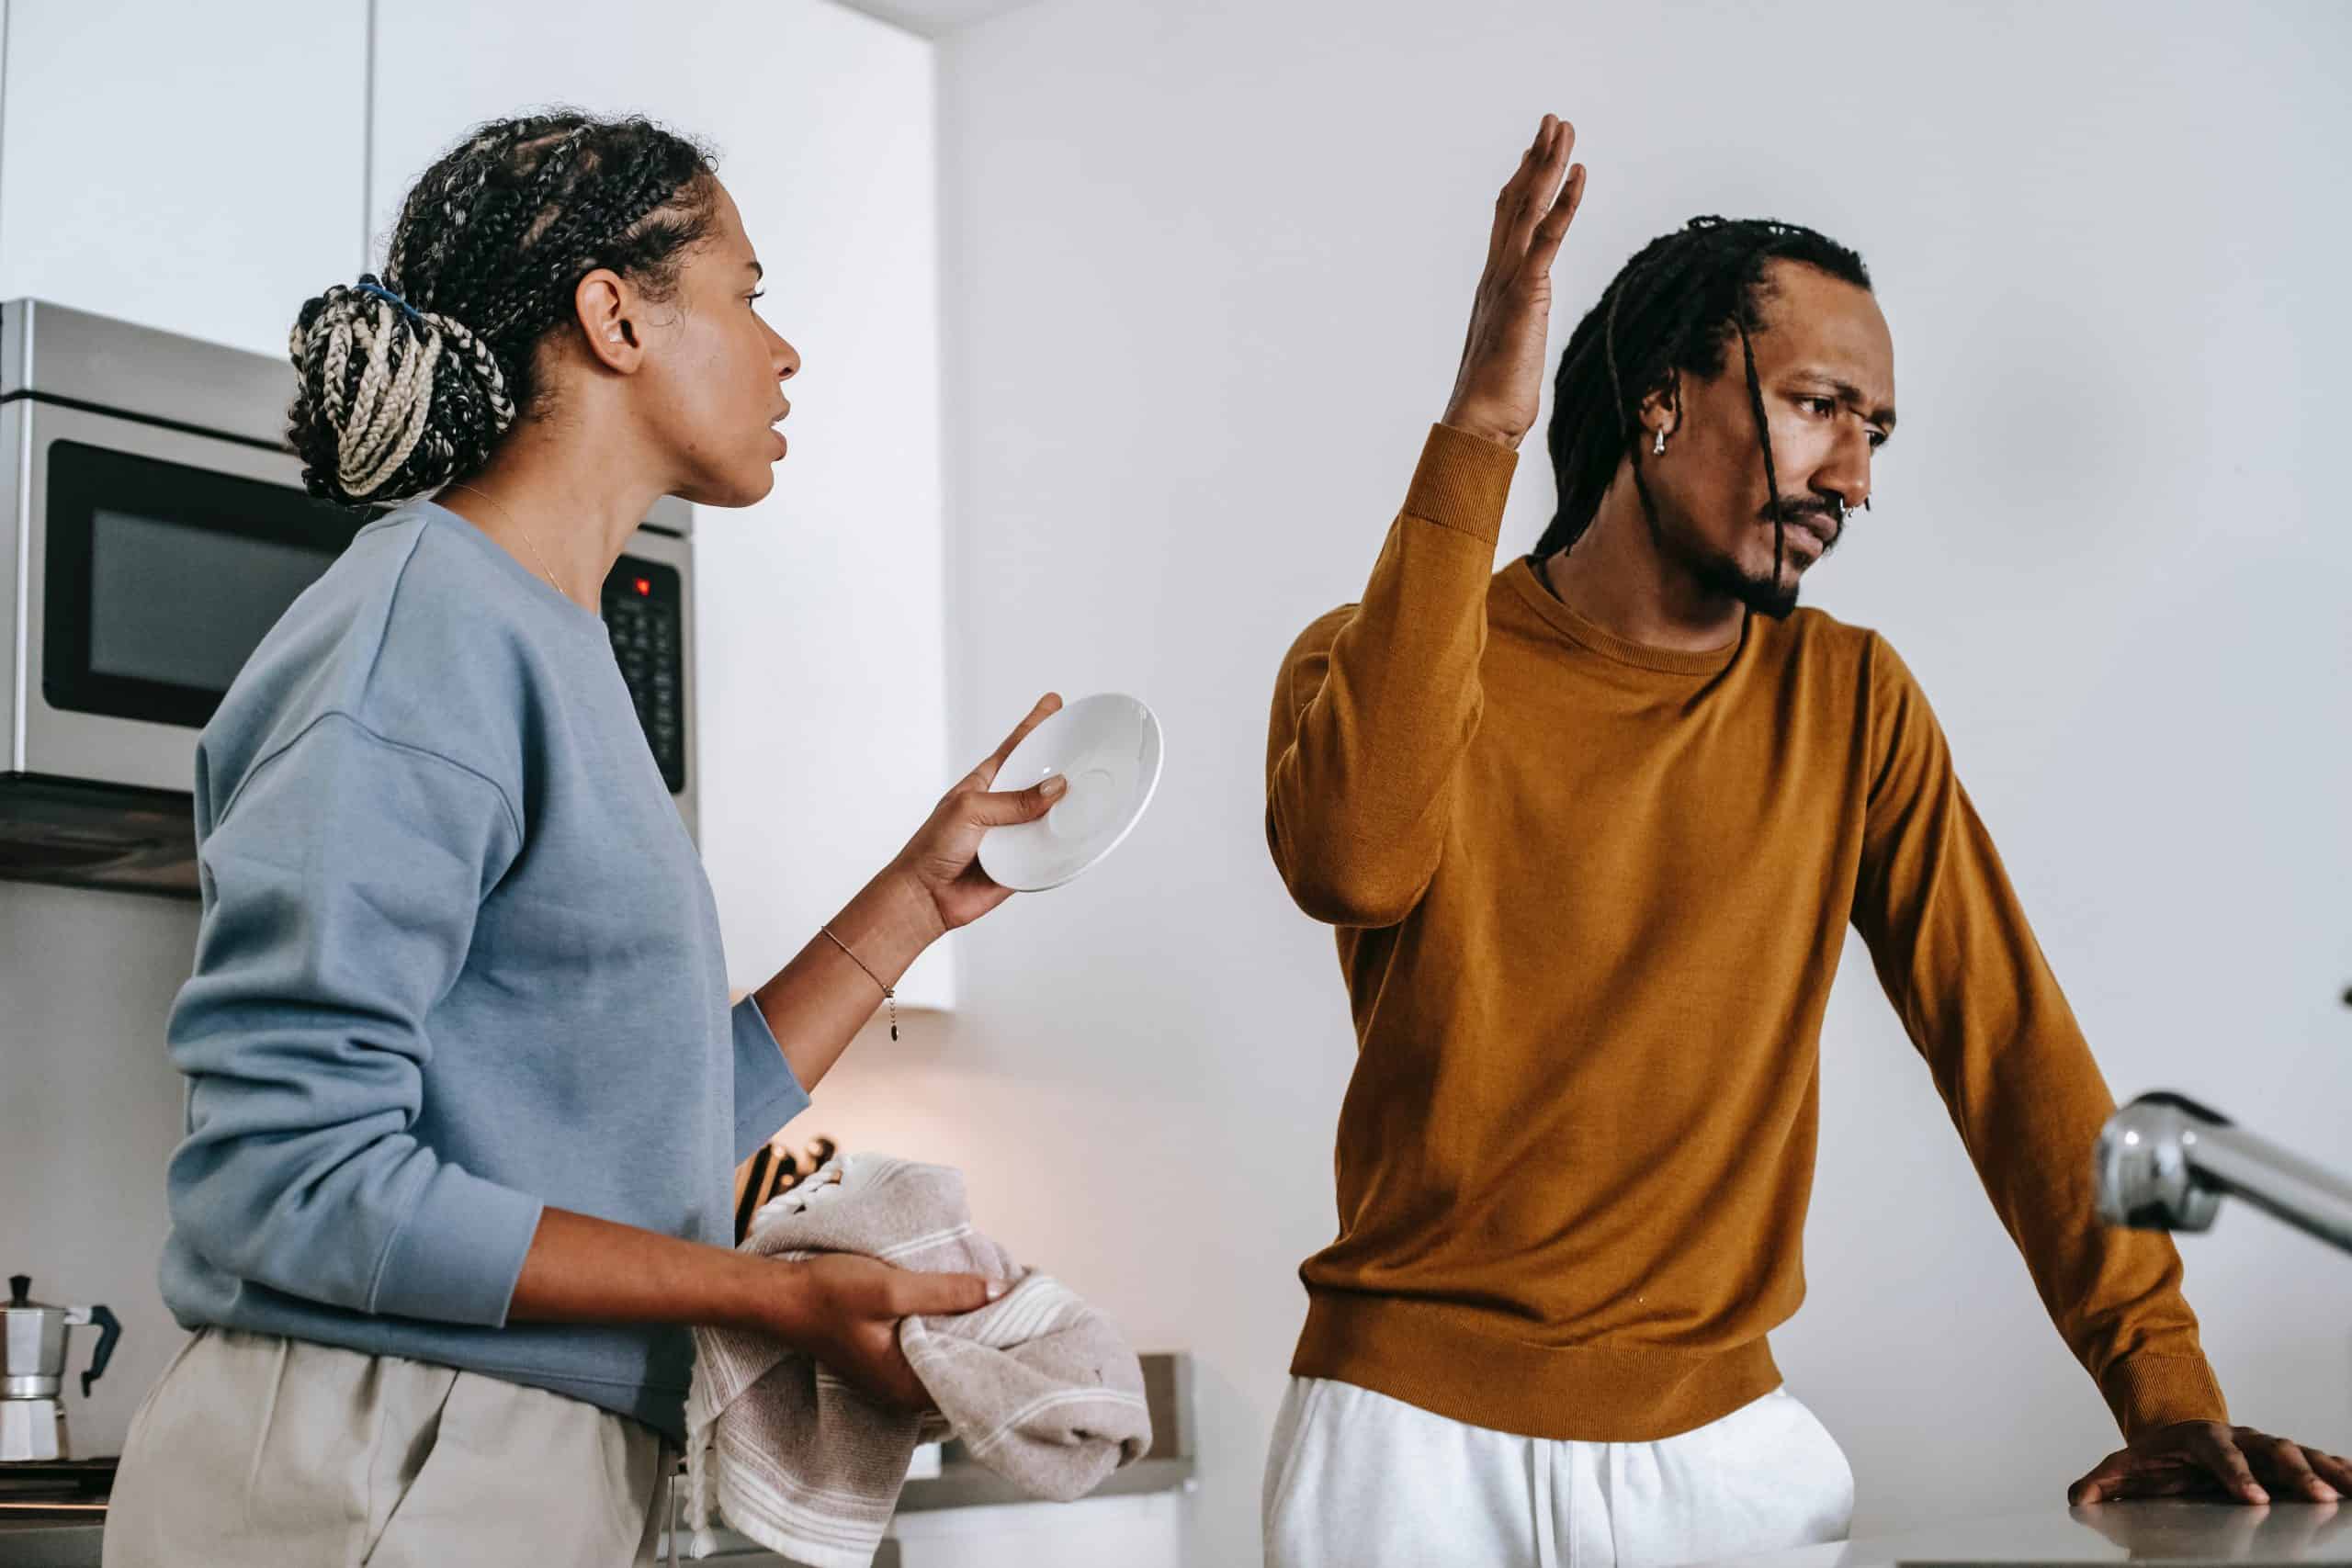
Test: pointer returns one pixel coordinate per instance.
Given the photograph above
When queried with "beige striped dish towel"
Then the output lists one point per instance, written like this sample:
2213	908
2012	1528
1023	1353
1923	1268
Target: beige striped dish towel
1040	1387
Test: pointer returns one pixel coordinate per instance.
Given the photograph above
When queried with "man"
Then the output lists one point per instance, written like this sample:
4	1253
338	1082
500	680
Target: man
1591	829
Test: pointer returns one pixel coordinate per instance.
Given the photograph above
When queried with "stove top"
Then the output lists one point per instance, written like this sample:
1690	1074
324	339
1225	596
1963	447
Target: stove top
56	1490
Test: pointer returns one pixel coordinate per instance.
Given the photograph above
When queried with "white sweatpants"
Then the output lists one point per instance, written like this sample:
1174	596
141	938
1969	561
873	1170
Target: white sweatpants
1356	1478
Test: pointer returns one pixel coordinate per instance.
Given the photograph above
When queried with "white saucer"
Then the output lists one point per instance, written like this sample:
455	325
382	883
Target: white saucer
1107	746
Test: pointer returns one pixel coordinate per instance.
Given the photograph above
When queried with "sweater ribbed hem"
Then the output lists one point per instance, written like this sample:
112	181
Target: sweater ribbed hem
2149	1391
1594	1393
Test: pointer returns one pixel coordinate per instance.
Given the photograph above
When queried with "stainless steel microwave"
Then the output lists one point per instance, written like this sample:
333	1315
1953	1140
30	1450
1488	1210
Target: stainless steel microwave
155	527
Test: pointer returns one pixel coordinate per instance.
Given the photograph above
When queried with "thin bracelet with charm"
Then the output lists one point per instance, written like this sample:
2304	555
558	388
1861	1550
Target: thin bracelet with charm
888	995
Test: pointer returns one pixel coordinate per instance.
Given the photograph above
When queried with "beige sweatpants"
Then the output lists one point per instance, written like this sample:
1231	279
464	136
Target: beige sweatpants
263	1451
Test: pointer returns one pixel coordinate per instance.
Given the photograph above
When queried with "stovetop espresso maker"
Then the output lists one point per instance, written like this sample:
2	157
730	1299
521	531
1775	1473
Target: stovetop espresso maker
32	1370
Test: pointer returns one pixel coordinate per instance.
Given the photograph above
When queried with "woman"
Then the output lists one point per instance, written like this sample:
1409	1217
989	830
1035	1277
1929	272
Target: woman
466	1092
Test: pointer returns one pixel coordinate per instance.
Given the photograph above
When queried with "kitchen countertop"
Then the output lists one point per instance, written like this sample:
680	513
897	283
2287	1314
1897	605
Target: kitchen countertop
2113	1532
2117	1532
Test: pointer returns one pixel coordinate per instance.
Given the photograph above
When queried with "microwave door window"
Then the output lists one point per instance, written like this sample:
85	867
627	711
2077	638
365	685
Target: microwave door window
187	605
161	578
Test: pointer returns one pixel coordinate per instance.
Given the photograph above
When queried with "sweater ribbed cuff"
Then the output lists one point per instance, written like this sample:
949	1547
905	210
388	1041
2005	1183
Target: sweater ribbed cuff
2149	1391
766	1094
1462	483
460	1254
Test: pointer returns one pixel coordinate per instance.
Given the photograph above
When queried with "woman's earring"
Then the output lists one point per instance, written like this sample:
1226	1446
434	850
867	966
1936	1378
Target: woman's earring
1657	447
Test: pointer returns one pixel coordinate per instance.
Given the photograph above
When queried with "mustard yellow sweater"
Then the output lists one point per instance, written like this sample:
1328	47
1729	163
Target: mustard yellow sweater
1590	896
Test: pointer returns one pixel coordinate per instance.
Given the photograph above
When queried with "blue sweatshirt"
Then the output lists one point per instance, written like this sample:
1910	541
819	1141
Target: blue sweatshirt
458	959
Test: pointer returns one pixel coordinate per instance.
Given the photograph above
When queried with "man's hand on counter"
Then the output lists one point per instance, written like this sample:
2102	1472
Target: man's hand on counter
2205	1459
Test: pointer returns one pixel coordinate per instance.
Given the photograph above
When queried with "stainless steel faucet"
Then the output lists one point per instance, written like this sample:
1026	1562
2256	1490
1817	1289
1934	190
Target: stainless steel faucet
2166	1162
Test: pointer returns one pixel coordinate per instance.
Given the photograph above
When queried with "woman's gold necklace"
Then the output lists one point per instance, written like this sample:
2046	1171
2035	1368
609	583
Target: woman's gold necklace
532	543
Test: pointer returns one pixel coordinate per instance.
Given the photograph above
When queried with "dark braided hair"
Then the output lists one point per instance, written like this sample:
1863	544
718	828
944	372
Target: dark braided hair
408	381
1674	309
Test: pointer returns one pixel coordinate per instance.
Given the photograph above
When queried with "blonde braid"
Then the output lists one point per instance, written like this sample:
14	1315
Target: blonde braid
338	366
393	405
368	327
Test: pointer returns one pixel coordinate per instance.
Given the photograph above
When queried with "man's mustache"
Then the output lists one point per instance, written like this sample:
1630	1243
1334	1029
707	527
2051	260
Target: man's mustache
1810	513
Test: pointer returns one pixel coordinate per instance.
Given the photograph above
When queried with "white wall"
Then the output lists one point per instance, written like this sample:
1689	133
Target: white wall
1207	269
822	668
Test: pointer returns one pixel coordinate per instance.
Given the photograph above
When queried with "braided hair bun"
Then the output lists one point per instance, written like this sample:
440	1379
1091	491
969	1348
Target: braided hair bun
408	381
395	401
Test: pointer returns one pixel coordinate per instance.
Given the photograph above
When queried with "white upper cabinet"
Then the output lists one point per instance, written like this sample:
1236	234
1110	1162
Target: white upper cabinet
820	661
195	168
